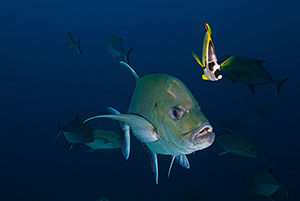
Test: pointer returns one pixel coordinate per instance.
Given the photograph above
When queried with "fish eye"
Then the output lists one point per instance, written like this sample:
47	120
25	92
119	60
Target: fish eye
211	66
176	112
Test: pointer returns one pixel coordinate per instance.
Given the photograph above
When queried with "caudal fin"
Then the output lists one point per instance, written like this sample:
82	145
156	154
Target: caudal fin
127	55
78	46
58	132
125	133
280	83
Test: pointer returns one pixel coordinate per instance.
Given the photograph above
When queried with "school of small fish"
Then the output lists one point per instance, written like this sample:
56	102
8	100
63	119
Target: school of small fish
166	118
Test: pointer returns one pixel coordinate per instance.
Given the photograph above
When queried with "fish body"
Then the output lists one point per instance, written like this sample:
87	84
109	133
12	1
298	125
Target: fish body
71	44
76	132
237	144
265	183
210	65
115	48
164	115
104	139
247	71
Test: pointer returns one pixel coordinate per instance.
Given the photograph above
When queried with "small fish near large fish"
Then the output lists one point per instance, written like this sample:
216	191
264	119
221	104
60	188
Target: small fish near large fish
210	65
265	183
247	71
163	115
76	133
115	48
104	139
71	44
236	144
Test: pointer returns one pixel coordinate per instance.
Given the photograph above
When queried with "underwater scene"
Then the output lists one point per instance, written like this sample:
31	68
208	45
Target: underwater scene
149	100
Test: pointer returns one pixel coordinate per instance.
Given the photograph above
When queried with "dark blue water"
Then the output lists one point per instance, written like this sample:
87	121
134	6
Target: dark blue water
42	83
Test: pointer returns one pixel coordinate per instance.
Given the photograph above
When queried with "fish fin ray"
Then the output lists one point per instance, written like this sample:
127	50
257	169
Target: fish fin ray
78	46
260	61
58	131
197	59
125	133
251	87
154	161
228	61
280	83
171	165
141	127
183	161
222	153
127	55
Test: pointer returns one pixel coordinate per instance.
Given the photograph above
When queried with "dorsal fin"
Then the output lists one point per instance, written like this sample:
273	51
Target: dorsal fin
131	71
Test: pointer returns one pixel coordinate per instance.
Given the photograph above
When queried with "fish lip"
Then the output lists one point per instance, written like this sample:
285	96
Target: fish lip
202	137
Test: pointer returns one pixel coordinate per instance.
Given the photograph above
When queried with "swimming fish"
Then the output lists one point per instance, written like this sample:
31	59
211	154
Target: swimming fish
71	44
76	133
237	144
210	64
265	183
164	115
115	48
104	139
247	71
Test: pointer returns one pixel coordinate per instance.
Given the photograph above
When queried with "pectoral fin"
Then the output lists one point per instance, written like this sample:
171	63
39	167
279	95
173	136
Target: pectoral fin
204	77
228	61
141	127
125	133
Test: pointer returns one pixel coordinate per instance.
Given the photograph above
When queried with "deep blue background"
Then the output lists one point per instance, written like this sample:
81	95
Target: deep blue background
42	83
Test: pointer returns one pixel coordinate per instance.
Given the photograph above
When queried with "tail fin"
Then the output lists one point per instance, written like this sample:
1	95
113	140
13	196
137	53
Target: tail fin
125	133
78	46
280	83
58	132
127	55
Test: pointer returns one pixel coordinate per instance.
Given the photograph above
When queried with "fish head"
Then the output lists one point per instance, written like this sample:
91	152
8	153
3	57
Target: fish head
211	68
170	106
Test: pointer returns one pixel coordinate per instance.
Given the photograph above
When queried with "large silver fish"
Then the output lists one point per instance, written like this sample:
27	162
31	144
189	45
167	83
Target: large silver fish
164	115
115	48
76	133
237	144
71	44
265	183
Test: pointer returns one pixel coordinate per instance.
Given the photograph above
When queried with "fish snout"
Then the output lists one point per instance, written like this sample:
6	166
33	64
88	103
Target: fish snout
202	137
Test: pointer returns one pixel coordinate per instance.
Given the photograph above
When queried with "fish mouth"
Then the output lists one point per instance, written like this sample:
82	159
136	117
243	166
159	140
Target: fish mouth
202	137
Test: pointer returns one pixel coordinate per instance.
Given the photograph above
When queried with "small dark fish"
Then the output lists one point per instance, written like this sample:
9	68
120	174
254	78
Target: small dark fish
247	71
265	183
115	48
76	132
237	144
71	44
